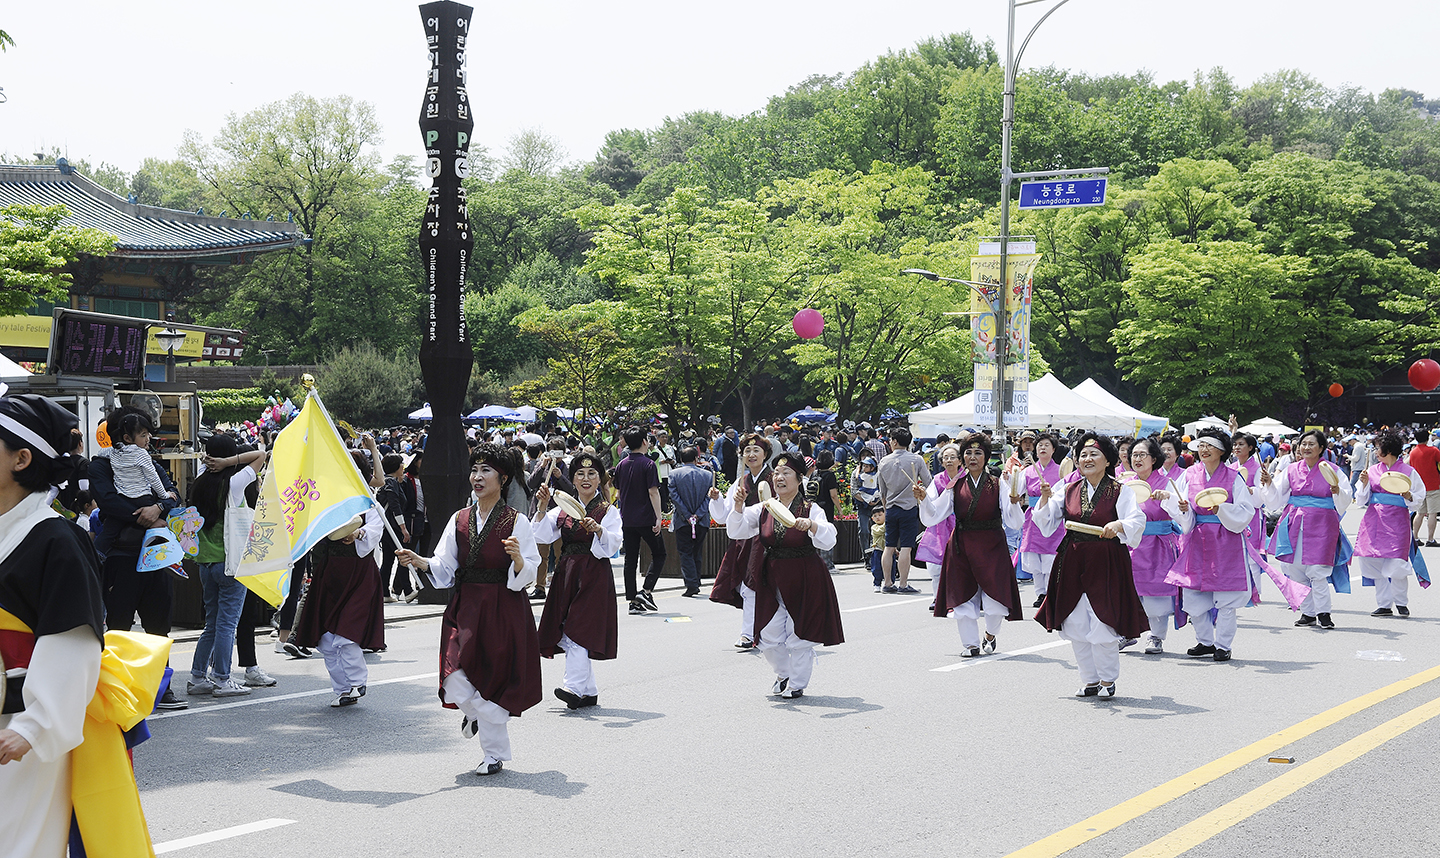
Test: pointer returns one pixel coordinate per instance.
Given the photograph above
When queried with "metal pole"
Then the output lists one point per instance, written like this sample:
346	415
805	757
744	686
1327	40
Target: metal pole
1007	122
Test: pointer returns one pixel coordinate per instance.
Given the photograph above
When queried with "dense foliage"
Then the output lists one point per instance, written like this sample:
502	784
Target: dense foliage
1259	242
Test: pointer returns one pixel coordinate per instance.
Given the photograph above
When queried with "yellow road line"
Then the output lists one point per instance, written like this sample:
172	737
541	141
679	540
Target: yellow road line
1107	820
1189	836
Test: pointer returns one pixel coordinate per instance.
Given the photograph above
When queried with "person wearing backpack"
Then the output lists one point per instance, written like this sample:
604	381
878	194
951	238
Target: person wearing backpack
228	483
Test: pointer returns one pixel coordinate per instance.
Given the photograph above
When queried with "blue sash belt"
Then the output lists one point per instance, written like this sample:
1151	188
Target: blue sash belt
1161	528
1033	500
1283	547
1207	519
1387	499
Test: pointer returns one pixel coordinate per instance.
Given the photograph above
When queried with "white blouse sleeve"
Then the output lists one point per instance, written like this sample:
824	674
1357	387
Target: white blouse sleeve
608	540
1049	516
1345	495
721	507
370	531
1012	515
938	505
64	670
547	529
529	552
825	535
447	555
1237	513
1131	518
1278	494
744	525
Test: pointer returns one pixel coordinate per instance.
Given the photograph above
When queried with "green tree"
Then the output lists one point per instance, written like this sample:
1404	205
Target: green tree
492	321
590	367
1214	328
35	249
369	388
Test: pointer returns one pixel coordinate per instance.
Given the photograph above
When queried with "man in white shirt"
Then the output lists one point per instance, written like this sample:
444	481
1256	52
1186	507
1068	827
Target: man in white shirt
665	460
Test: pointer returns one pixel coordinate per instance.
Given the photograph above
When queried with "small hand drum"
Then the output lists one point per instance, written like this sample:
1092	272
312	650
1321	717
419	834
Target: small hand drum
1211	498
569	503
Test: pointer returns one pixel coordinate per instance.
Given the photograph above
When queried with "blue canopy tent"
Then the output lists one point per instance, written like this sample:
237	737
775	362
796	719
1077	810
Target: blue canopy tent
810	415
422	413
494	412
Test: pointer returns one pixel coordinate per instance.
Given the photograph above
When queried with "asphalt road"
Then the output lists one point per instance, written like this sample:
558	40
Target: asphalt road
889	753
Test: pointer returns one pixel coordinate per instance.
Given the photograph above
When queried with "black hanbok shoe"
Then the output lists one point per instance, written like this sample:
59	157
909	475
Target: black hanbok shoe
1039	600
1089	690
1305	620
987	646
539	592
573	700
779	686
488	768
589	700
1107	691
972	652
1200	650
1325	621
792	693
1402	610
1222	655
1382	612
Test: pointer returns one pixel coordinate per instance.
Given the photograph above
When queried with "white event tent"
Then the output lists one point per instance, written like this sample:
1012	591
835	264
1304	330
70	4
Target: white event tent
1145	423
1052	405
11	369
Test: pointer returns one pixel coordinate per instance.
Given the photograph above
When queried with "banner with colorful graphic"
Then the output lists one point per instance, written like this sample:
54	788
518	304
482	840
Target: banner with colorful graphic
265	566
1019	284
311	488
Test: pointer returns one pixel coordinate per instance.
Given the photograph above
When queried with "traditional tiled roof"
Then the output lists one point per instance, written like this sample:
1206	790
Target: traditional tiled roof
144	232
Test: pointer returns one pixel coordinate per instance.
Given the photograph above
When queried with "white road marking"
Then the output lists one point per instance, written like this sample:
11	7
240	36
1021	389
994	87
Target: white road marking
888	604
989	659
222	834
257	701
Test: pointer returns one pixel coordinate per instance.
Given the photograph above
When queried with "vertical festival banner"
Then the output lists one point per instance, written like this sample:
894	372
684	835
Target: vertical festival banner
1020	280
446	358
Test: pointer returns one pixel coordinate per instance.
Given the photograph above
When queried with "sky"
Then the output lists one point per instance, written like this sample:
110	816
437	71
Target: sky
122	80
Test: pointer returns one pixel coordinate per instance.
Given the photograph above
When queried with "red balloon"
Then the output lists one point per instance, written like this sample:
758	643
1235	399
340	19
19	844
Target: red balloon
1425	374
1336	390
808	324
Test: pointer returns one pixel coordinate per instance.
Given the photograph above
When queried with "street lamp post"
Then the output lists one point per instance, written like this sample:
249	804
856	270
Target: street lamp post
997	306
170	340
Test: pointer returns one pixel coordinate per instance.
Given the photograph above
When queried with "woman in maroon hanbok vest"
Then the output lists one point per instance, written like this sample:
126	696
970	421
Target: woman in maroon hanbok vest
796	608
489	652
977	575
342	611
580	618
734	584
1092	600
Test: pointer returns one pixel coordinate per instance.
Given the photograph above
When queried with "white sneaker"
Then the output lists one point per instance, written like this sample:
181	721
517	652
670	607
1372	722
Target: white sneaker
204	686
1154	646
231	688
280	647
256	677
389	598
877	588
412	596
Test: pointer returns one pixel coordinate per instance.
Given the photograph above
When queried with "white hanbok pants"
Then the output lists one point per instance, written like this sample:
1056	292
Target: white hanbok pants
1220	632
790	656
1097	646
344	660
1391	576
747	611
1038	566
579	669
1159	610
1317	575
491	720
967	617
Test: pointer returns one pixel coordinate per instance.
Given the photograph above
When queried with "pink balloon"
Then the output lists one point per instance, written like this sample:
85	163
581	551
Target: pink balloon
808	324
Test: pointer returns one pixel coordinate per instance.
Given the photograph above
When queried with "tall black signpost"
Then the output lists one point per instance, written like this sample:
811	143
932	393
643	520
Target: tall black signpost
445	246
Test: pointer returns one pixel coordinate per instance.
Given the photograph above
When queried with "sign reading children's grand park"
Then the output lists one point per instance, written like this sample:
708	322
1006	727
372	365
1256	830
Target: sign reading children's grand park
446	358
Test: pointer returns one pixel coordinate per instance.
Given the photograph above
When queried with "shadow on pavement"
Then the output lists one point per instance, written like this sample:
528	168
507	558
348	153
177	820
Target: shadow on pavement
552	783
843	705
1149	708
610	717
324	792
1264	666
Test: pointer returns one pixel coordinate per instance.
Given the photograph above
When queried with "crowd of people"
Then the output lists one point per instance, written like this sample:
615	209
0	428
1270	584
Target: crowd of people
1120	540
